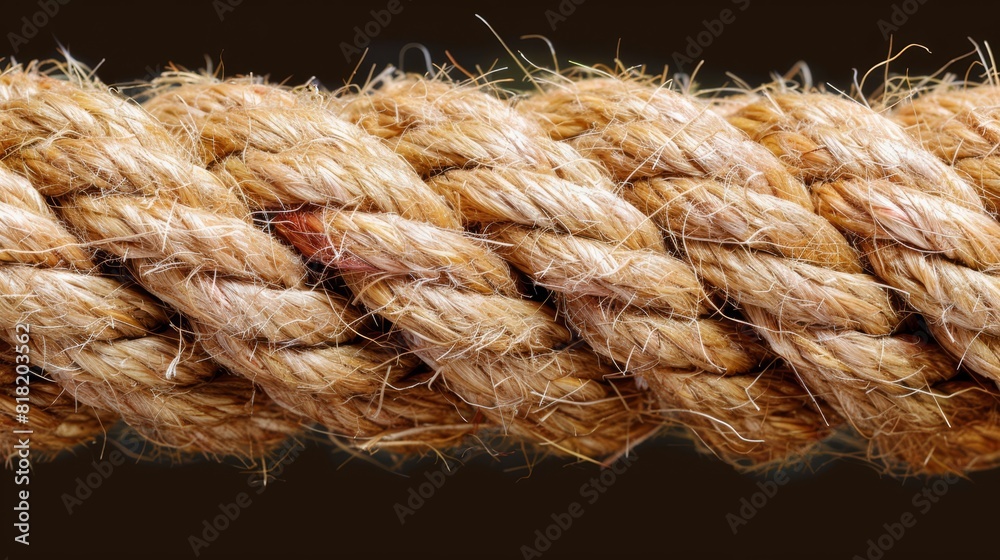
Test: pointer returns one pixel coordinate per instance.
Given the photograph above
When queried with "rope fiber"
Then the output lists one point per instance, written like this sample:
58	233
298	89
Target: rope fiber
420	264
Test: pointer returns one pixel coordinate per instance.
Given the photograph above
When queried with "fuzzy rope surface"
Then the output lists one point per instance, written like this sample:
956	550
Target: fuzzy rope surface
421	264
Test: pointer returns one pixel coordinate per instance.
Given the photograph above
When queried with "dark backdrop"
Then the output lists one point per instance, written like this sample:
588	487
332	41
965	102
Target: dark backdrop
670	502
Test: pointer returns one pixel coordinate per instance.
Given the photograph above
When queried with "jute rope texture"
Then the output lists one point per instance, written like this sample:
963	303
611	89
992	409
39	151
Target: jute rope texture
425	265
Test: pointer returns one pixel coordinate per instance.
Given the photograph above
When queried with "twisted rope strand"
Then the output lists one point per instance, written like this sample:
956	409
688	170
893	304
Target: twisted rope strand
127	188
451	295
57	422
553	211
108	344
960	126
872	181
818	310
576	268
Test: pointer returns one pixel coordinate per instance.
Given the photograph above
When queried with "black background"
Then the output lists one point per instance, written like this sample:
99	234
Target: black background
671	502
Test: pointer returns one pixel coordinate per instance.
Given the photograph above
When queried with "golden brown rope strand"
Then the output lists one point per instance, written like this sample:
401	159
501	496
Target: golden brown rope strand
58	422
961	125
636	133
903	205
109	344
699	177
421	199
125	185
410	262
555	215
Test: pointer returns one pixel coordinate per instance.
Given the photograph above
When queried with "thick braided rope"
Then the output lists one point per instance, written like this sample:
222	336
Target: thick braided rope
962	127
554	214
912	216
735	213
959	125
128	189
549	213
422	203
401	251
58	422
105	342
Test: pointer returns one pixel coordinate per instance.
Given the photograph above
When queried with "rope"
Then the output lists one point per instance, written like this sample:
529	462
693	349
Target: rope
419	265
